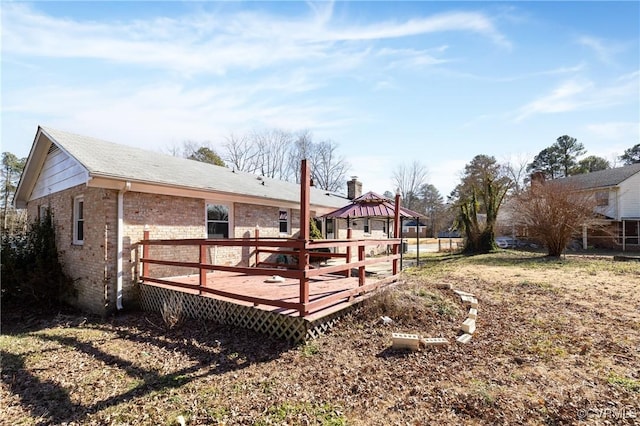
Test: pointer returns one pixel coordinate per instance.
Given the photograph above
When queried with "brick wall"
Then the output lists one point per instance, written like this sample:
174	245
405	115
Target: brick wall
92	264
164	217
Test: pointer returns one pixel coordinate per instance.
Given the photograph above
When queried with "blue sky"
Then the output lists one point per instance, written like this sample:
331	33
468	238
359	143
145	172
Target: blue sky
389	82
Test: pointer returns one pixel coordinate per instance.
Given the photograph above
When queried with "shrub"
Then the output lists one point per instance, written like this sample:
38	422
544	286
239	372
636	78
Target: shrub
32	274
172	312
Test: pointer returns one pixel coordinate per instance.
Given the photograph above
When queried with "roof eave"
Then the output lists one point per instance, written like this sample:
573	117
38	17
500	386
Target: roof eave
106	181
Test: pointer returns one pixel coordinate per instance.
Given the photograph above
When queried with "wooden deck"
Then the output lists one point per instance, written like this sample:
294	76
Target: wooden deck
271	320
305	304
343	289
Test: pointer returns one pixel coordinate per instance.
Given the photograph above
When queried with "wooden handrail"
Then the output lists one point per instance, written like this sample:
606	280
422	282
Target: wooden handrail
302	272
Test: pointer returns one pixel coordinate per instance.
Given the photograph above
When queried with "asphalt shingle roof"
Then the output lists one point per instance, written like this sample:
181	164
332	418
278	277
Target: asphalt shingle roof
111	160
603	178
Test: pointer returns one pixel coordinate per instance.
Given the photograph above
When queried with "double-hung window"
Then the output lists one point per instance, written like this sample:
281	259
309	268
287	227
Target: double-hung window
283	220
78	220
217	221
367	227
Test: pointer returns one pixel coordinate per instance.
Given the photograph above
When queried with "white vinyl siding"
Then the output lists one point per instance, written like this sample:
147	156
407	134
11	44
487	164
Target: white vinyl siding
629	197
59	172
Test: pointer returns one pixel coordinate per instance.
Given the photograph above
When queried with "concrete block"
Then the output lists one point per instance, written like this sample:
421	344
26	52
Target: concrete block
462	293
405	341
473	303
469	326
473	314
465	338
434	341
467	299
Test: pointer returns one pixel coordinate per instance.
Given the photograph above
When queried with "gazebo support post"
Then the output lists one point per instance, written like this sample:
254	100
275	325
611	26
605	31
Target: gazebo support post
418	242
396	233
401	245
348	258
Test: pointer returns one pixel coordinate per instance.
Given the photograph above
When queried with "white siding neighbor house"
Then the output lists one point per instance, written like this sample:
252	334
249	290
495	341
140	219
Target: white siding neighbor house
617	195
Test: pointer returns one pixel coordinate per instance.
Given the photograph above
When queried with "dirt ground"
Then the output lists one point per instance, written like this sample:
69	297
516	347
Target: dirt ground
558	342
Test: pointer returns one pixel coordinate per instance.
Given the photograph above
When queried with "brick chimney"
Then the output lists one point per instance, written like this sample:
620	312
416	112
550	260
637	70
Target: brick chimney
354	188
537	178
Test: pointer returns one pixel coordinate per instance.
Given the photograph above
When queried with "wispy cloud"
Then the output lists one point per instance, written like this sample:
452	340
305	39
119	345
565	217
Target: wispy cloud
616	130
605	51
409	58
172	112
218	43
454	21
580	94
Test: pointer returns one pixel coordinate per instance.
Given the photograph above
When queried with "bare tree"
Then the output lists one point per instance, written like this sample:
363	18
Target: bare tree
277	154
553	212
273	148
409	179
241	154
328	167
516	169
303	148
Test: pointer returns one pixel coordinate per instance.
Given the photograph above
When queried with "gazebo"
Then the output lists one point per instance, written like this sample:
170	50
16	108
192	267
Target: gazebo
373	206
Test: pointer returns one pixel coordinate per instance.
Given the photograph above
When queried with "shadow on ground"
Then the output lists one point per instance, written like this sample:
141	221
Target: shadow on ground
210	349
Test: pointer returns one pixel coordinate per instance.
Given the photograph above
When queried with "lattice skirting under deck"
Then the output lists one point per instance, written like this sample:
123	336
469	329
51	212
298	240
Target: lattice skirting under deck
295	329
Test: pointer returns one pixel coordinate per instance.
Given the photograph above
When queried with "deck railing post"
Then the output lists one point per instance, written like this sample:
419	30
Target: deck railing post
303	258
257	252
203	271
145	254
361	270
348	258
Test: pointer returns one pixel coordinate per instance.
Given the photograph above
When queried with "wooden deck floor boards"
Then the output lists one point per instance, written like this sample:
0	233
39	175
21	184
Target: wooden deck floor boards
289	290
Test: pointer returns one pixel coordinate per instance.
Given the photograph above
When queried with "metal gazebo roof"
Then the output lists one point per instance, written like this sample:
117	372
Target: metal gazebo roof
371	205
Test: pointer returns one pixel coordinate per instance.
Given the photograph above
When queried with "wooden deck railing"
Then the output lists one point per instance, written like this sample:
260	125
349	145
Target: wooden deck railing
301	271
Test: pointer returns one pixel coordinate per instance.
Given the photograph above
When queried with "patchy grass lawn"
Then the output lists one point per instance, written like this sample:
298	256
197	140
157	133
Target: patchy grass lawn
558	342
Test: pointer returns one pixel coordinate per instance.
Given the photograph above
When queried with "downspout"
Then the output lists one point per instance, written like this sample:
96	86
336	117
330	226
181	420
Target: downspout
120	236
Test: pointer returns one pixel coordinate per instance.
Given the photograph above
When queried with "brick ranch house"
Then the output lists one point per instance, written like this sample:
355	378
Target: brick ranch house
103	196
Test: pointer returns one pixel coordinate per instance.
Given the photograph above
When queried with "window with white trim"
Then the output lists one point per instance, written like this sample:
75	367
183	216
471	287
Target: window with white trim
367	228
283	220
78	220
218	221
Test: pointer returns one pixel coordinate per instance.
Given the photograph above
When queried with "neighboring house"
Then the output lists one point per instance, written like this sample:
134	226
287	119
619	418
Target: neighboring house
409	228
103	196
617	195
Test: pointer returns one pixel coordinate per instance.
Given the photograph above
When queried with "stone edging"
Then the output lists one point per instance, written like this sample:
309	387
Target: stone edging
468	326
